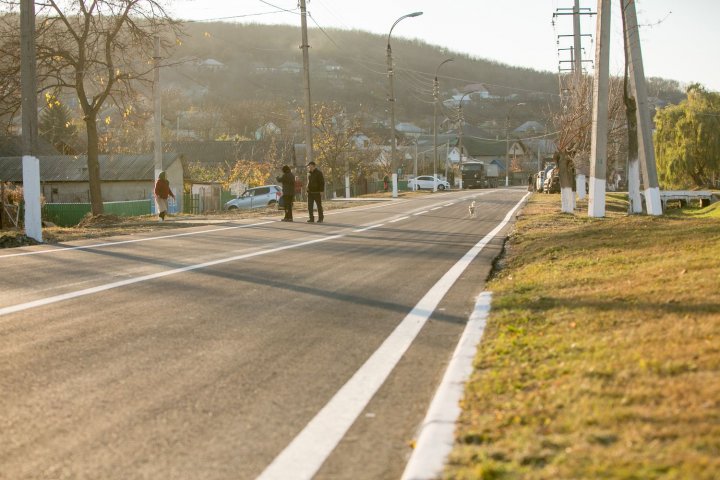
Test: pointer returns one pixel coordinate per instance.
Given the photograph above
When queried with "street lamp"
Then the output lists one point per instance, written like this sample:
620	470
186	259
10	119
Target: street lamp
393	165
436	94
507	142
460	132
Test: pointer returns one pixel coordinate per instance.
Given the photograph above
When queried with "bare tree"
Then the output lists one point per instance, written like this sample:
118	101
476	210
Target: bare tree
574	125
101	49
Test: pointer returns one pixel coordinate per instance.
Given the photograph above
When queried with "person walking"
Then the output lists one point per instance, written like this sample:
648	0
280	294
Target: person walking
162	192
287	180
315	189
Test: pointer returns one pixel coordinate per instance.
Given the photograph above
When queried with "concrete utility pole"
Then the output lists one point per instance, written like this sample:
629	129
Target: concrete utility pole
601	92
157	123
646	150
577	48
30	162
306	69
436	98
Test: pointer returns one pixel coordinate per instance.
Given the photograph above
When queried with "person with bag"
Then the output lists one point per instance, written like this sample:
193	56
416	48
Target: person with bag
315	189
287	180
162	191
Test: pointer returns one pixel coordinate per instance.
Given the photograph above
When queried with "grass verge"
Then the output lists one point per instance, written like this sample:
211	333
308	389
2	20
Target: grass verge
601	358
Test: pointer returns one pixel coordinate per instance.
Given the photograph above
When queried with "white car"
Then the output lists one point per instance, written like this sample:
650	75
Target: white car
257	197
425	182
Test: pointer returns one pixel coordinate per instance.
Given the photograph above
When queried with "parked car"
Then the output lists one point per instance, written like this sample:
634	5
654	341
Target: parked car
425	182
258	197
552	182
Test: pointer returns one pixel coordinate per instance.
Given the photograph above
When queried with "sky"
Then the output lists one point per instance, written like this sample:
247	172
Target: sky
680	38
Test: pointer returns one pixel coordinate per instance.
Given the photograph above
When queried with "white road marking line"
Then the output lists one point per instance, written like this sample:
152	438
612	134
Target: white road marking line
448	204
306	453
100	288
162	237
108	286
147	239
436	208
436	438
421	212
368	228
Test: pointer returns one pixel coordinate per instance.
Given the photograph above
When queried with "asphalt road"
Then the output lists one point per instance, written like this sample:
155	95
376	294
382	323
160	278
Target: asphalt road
206	353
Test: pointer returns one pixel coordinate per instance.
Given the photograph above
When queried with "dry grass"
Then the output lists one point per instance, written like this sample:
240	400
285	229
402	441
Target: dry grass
601	358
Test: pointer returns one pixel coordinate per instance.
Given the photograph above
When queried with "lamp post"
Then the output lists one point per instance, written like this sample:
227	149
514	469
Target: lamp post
391	75
460	133
436	94
507	142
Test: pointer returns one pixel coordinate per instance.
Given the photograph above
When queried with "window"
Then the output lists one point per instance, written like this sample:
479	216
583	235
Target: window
262	191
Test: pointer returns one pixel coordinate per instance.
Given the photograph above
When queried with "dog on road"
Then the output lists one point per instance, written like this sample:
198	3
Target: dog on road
471	209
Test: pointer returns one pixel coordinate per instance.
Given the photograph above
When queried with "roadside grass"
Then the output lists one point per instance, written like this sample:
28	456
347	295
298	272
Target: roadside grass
601	357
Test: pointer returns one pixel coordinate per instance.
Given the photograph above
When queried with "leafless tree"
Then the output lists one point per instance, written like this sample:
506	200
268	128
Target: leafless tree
102	50
574	125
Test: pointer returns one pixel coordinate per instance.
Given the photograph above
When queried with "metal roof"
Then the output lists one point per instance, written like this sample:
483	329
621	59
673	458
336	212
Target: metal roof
68	168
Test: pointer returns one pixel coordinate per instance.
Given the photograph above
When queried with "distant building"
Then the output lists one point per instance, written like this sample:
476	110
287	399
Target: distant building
211	65
267	130
409	129
290	67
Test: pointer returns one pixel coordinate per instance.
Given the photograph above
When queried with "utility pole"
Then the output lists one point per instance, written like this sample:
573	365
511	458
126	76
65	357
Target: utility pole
30	162
601	91
436	98
646	151
306	69
577	47
157	114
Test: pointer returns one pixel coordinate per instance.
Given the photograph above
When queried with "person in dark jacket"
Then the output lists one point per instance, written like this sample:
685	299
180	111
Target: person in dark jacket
315	189
287	180
162	192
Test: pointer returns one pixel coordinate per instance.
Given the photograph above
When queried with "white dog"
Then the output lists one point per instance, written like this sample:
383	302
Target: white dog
471	209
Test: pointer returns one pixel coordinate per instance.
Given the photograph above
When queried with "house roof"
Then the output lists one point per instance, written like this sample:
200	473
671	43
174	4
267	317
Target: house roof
530	126
11	146
214	152
69	168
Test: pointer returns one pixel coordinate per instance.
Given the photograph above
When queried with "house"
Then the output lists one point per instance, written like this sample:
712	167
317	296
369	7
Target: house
409	129
267	130
64	178
211	65
361	141
531	127
290	67
478	90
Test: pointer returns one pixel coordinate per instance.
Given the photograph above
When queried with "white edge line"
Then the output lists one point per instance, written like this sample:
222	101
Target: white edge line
108	286
306	453
420	212
448	204
184	234
398	219
136	240
436	208
437	434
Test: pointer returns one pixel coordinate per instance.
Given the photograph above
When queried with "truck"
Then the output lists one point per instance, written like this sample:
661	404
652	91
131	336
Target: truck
479	175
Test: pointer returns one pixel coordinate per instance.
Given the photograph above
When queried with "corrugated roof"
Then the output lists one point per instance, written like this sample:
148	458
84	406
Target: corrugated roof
11	146
67	168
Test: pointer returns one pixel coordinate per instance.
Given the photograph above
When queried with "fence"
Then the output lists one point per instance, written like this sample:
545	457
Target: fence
68	214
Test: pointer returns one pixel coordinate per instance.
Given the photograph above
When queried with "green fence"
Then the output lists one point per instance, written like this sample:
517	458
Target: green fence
68	214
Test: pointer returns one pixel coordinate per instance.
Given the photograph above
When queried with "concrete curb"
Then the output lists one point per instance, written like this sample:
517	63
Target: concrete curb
437	433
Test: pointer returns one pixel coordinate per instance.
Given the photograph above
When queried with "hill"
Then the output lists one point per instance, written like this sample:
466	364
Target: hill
259	67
